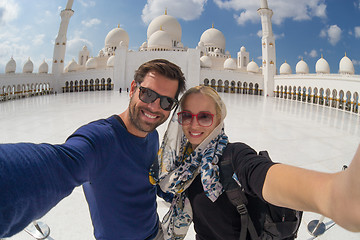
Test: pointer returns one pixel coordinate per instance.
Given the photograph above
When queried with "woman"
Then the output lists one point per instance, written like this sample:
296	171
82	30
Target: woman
188	163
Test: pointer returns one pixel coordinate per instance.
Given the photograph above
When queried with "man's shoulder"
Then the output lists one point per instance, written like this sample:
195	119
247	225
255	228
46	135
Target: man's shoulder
96	129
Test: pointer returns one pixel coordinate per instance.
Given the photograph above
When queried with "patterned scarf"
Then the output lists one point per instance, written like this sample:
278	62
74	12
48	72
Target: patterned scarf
203	161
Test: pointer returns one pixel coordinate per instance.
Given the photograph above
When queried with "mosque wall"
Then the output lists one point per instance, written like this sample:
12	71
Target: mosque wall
333	90
332	81
89	80
224	80
14	85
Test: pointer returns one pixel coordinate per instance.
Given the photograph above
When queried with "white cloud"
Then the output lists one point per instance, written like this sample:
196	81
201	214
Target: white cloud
357	32
313	53
259	33
293	9
357	4
91	22
334	34
356	62
18	51
9	11
323	33
38	39
185	9
87	3
279	36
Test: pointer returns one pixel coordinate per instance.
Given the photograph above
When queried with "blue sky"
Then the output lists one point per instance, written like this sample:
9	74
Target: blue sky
303	29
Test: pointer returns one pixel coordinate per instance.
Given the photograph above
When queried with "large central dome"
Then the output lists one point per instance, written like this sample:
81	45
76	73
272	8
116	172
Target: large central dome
168	24
115	36
214	38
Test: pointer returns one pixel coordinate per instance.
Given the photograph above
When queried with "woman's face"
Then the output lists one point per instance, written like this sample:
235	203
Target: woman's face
196	103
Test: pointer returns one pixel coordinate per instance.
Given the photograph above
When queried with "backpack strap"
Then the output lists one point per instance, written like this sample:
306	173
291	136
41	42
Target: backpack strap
235	194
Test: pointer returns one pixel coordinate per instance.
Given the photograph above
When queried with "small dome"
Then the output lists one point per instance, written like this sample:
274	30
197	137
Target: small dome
169	24
144	45
214	38
230	64
44	67
111	61
115	36
180	45
322	66
285	69
10	66
28	66
252	67
201	44
160	39
72	66
346	66
302	67
205	62
84	48
91	63
242	49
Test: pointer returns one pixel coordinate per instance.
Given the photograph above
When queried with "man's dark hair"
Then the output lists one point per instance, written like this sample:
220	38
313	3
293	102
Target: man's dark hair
165	68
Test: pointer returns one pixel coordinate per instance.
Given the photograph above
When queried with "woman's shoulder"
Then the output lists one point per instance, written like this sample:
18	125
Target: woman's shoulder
238	147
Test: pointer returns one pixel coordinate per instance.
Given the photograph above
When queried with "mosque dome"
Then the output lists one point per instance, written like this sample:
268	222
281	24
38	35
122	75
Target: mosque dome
302	67
28	66
346	66
322	66
242	49
144	45
230	64
115	36
168	24
111	61
201	44
160	39
72	66
214	38
91	63
44	67
85	48
205	62
285	69
10	66
252	67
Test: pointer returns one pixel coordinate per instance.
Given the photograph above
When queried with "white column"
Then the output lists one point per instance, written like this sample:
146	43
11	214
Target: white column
60	42
268	49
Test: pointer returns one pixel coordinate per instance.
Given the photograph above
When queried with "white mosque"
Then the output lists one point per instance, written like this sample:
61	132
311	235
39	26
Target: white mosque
208	63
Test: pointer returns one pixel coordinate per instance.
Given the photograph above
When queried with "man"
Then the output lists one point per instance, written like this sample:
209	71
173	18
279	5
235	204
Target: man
110	157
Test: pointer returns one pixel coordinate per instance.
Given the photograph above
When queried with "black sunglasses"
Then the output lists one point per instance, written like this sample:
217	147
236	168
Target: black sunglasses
148	96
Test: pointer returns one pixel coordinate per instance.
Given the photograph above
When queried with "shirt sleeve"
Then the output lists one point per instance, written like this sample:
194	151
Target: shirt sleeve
35	177
251	169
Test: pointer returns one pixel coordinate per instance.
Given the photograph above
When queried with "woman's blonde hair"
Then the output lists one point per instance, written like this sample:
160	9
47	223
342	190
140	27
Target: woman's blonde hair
210	92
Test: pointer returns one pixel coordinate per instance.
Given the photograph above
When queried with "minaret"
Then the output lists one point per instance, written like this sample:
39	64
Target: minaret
268	48
60	42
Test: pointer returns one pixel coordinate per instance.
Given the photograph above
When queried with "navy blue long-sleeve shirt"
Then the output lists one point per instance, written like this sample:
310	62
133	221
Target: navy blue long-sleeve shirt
113	164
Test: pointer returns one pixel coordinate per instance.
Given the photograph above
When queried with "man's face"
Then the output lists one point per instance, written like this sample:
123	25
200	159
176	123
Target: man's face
145	117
